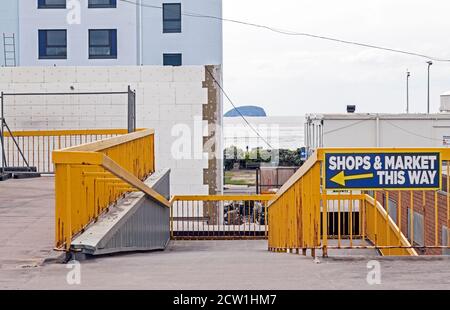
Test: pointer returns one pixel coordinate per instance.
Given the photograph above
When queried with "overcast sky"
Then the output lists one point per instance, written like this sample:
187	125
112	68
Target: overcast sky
296	75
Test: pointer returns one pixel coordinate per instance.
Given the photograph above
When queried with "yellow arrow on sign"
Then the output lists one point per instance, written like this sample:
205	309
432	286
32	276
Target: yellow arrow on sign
341	178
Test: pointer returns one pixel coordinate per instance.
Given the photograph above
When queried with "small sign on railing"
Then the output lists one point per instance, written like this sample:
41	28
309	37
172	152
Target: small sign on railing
378	170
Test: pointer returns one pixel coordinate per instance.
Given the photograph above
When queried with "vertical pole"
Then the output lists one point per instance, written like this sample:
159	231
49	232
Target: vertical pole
411	217
171	219
408	74
387	223
436	219
428	93
131	110
257	181
2	133
399	213
448	203
375	218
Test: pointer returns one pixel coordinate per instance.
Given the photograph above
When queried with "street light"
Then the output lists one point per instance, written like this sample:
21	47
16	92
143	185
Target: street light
430	63
408	74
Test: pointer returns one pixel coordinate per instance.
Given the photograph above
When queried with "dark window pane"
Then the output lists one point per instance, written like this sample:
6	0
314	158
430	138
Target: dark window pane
58	4
172	11
103	43
172	59
172	18
99	37
56	37
56	51
100	51
102	3
52	44
172	26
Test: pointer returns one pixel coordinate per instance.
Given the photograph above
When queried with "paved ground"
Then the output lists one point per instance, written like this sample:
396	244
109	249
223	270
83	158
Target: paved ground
26	220
26	238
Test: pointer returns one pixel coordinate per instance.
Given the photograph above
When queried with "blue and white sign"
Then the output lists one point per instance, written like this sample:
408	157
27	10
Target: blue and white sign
365	171
303	155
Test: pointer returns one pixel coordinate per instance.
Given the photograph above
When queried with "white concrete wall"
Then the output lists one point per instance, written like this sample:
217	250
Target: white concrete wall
200	41
9	24
122	18
166	96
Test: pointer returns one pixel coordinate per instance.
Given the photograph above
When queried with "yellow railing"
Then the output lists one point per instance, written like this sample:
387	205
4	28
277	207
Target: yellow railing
304	215
294	215
89	178
219	217
391	234
37	145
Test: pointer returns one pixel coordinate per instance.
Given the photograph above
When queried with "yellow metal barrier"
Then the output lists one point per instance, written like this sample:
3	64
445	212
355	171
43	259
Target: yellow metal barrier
91	177
219	217
294	215
304	215
38	145
389	234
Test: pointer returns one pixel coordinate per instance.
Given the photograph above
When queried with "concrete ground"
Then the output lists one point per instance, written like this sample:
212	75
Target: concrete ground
26	221
26	239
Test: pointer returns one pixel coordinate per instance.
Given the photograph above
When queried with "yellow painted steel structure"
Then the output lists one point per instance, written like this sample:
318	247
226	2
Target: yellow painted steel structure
89	178
38	145
203	217
303	212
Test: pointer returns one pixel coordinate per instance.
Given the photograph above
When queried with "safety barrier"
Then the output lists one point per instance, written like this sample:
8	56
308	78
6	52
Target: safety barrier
90	178
37	145
219	217
306	215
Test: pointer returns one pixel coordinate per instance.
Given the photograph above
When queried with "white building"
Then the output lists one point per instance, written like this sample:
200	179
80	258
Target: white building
113	32
377	130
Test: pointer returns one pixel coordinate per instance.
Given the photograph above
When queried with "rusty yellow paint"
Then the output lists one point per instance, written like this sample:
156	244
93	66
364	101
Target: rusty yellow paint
91	177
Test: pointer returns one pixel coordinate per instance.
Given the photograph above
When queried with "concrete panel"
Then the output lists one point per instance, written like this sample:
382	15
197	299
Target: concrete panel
175	112
92	74
59	74
188	73
28	75
191	93
158	93
151	74
136	223
124	74
5	74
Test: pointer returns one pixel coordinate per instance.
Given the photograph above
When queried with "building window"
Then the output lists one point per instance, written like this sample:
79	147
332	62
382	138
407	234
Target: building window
93	4
51	4
52	44
172	18
173	60
103	44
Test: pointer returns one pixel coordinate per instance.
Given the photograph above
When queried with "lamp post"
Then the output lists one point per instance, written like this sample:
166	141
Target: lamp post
430	63
408	74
